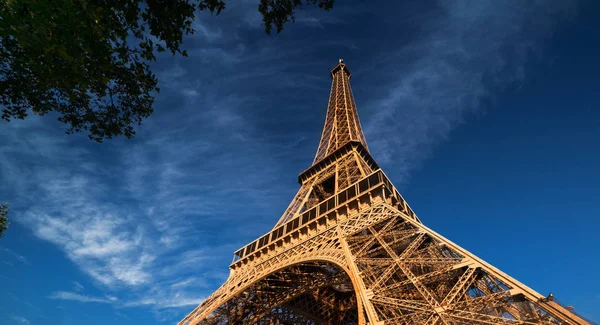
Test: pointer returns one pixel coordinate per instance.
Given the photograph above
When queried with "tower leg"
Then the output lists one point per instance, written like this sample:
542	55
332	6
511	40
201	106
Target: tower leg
373	264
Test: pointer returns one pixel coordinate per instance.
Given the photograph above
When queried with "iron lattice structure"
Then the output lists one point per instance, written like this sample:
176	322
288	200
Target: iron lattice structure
349	250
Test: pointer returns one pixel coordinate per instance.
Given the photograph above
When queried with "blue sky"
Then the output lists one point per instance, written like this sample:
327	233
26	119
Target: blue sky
483	113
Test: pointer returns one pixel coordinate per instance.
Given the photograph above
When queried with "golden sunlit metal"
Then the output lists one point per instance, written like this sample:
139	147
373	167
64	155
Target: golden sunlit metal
349	250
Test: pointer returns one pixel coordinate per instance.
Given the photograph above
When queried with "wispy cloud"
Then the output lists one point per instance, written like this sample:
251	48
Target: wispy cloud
63	295
135	215
188	282
470	51
19	257
78	286
98	241
166	302
175	301
206	32
319	20
20	319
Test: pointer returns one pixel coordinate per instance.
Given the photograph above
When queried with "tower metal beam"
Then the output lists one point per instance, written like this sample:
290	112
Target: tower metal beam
349	250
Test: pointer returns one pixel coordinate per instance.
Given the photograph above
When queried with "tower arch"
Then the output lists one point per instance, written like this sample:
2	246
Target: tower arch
311	290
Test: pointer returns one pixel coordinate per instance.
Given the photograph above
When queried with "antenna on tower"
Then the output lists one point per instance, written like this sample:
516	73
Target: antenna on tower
341	60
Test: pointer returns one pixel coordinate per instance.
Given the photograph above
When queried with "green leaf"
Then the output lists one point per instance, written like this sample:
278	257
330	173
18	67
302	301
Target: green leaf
74	58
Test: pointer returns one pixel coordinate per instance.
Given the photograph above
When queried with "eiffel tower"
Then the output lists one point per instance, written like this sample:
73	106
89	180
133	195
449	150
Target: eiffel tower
350	250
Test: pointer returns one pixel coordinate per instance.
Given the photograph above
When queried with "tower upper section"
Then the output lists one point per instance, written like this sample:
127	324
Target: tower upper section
341	124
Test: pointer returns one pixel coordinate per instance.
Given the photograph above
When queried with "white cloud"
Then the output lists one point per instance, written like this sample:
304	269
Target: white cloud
20	319
470	51
183	283
78	286
177	299
19	257
163	303
319	21
207	32
133	216
182	302
100	243
63	295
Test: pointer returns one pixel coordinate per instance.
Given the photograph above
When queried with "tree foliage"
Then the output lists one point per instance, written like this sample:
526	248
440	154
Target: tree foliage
3	218
88	60
279	12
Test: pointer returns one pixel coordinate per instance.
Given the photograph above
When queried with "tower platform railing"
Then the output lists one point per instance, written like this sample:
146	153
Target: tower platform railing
326	211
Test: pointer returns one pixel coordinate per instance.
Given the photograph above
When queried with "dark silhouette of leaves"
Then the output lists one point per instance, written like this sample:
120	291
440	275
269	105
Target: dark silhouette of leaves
77	58
279	12
3	218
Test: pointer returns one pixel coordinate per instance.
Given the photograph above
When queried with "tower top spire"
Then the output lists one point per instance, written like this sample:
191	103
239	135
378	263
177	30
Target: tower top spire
341	66
341	124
